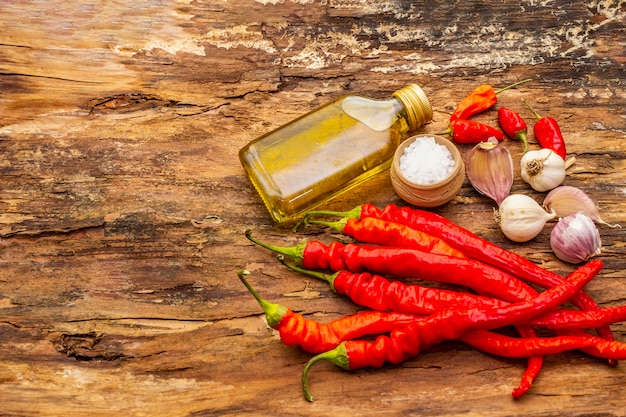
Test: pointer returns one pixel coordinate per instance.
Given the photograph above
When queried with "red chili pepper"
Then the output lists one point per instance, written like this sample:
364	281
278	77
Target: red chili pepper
576	319
472	245
470	131
406	262
315	337
511	347
379	293
548	133
382	232
480	99
513	125
449	324
409	262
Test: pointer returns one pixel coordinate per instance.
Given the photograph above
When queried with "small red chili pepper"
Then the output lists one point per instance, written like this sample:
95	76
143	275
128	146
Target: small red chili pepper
480	99
315	337
548	133
470	244
450	324
382	232
406	262
513	125
470	131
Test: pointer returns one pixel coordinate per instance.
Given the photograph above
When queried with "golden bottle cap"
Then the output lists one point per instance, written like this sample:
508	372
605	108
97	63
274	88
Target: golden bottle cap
417	105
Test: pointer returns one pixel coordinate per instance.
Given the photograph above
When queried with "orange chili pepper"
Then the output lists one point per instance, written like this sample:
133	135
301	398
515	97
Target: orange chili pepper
480	99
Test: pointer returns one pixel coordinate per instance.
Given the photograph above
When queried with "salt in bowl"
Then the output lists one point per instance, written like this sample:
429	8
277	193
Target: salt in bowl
421	180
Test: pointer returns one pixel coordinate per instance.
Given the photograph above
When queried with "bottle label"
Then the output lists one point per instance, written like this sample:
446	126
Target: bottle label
377	115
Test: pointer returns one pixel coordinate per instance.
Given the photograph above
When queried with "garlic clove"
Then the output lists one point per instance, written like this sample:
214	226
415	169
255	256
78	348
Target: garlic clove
521	218
489	168
542	169
575	238
566	200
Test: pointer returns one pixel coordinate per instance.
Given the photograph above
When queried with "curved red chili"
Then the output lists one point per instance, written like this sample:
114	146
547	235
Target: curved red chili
379	293
382	232
513	125
548	133
563	319
449	324
406	262
512	347
315	337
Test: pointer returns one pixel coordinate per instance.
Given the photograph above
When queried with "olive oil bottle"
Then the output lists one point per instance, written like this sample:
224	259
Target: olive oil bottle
331	149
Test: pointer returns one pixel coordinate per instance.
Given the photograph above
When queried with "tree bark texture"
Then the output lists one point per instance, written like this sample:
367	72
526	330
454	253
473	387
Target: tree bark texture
123	204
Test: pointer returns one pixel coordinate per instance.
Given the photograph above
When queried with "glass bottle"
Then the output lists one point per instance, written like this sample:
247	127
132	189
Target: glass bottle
331	149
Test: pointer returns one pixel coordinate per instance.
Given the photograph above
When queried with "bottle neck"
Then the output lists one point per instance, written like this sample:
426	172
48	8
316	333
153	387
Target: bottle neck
416	104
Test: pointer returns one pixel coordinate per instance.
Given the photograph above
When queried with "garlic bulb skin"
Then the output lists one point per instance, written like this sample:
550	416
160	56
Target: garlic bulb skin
489	168
542	169
521	218
566	200
575	238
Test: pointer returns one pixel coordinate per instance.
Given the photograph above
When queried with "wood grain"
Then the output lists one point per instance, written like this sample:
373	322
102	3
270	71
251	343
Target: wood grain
123	203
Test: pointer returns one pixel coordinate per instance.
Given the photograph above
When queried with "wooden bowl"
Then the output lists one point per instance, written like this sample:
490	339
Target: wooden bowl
429	195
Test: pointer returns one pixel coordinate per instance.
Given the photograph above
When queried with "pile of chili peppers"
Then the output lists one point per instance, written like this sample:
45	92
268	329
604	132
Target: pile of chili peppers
402	318
484	97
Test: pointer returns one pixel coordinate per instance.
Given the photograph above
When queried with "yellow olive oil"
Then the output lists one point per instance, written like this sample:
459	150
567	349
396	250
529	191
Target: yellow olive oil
329	150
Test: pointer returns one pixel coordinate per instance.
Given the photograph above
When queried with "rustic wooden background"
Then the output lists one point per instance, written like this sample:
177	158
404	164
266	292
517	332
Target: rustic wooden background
123	204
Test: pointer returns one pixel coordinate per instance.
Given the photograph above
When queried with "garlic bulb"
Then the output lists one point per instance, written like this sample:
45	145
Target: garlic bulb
543	169
566	200
489	168
575	238
521	218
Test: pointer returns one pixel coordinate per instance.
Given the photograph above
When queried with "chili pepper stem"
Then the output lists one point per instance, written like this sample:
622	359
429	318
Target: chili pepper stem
448	131
531	109
291	251
513	85
315	274
337	225
354	213
273	312
337	356
522	137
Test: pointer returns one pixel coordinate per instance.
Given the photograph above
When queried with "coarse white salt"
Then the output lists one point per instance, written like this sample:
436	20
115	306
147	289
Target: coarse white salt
426	162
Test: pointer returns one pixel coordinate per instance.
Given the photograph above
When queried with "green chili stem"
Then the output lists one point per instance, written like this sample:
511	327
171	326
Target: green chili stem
338	225
319	275
337	356
513	85
448	131
273	312
354	213
294	252
522	137
531	109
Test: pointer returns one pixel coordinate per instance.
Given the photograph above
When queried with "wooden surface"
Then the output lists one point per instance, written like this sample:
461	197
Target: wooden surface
123	205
